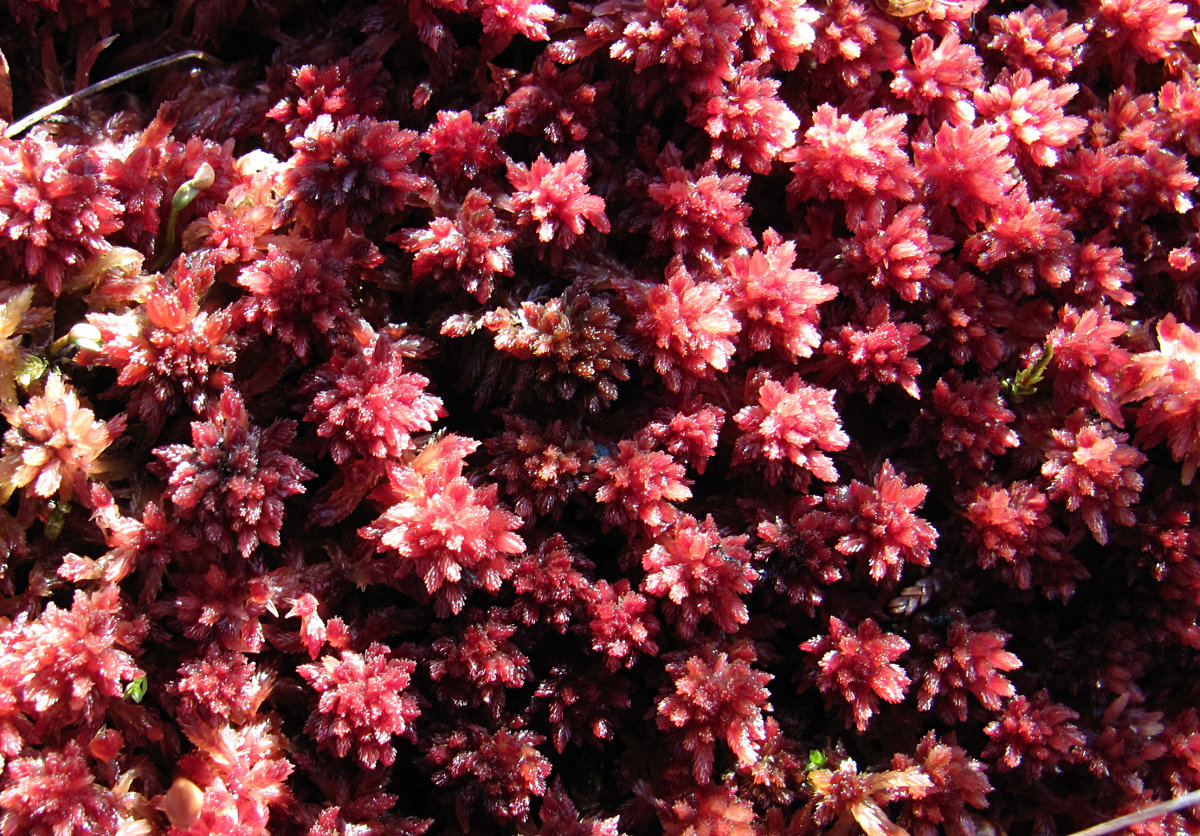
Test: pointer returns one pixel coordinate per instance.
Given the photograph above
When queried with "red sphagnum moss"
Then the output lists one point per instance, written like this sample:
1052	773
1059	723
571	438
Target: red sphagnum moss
599	418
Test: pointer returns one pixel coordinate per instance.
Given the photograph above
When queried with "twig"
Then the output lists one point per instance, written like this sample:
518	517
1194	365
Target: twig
1160	809
41	113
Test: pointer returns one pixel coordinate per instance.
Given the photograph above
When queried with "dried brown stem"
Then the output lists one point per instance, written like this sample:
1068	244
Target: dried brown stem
16	128
1161	809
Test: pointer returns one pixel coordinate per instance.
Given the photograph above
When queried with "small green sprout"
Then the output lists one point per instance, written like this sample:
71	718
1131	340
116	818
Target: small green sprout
82	335
136	690
1025	382
184	195
59	511
816	760
33	368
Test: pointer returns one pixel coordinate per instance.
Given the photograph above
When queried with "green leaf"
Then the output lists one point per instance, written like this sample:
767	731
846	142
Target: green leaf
136	690
1025	382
